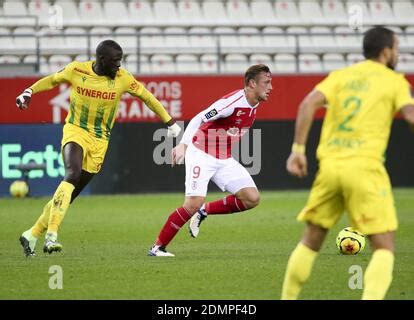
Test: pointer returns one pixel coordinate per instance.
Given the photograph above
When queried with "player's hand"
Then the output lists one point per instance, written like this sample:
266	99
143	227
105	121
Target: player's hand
297	165
173	130
178	154
23	100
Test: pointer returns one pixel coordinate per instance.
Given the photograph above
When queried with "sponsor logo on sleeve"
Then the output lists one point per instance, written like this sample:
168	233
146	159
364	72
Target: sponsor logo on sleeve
211	114
134	86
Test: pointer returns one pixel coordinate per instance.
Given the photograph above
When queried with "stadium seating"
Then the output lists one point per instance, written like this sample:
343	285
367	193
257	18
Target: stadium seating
152	39
167	32
237	11
140	12
91	13
404	11
262	12
71	15
310	12
6	41
132	65
52	41
286	12
406	63
209	63
187	64
214	12
127	39
166	12
162	64
201	41
333	61
234	62
189	11
309	63
334	12
285	63
57	62
76	40
178	39
9	59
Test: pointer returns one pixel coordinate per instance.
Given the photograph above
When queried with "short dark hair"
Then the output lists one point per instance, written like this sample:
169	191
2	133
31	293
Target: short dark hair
254	71
102	48
375	40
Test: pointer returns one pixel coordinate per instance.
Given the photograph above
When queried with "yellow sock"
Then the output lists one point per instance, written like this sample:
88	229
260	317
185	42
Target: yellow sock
298	271
378	275
60	204
41	224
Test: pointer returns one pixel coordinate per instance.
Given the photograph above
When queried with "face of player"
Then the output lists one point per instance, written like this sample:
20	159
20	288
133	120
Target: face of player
392	58
111	62
262	86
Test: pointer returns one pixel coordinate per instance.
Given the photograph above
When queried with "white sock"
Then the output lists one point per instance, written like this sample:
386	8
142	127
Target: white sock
28	235
52	236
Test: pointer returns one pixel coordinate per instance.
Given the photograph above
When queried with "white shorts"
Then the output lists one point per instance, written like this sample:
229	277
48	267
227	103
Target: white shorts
200	167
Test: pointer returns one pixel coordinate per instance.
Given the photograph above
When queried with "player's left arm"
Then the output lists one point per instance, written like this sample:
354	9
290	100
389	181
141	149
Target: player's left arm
323	93
297	162
138	90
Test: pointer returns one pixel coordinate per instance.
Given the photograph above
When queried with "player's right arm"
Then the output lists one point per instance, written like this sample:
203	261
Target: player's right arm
44	84
178	152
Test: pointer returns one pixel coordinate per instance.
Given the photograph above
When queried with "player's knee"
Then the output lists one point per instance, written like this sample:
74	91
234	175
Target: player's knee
193	204
382	241
252	200
192	208
73	175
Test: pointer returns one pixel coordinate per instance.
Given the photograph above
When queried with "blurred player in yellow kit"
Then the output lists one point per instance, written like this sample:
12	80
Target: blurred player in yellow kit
362	100
97	87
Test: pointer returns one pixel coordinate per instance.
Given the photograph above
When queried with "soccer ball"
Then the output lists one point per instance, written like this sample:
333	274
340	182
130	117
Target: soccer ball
19	189
350	241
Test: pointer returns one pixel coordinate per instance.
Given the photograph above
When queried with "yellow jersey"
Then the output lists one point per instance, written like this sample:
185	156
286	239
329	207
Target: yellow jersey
94	99
362	100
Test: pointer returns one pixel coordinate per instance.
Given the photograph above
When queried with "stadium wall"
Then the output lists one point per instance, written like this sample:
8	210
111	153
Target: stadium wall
129	167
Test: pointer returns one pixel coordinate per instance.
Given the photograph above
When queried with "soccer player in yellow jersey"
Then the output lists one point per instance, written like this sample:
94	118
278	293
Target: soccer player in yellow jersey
361	100
97	87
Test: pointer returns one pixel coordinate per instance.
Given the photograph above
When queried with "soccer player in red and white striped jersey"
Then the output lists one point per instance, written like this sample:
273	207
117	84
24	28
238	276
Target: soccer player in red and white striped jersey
206	148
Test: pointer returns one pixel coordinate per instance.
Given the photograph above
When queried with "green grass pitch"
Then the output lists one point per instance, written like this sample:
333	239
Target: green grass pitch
239	256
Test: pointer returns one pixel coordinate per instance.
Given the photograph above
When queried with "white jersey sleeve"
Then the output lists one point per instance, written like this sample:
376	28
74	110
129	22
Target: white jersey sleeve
191	129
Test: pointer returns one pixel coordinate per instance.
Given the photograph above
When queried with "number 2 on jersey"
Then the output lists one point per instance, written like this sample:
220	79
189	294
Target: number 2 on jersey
356	103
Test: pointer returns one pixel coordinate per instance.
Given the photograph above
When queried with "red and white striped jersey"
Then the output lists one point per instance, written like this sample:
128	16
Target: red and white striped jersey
224	123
